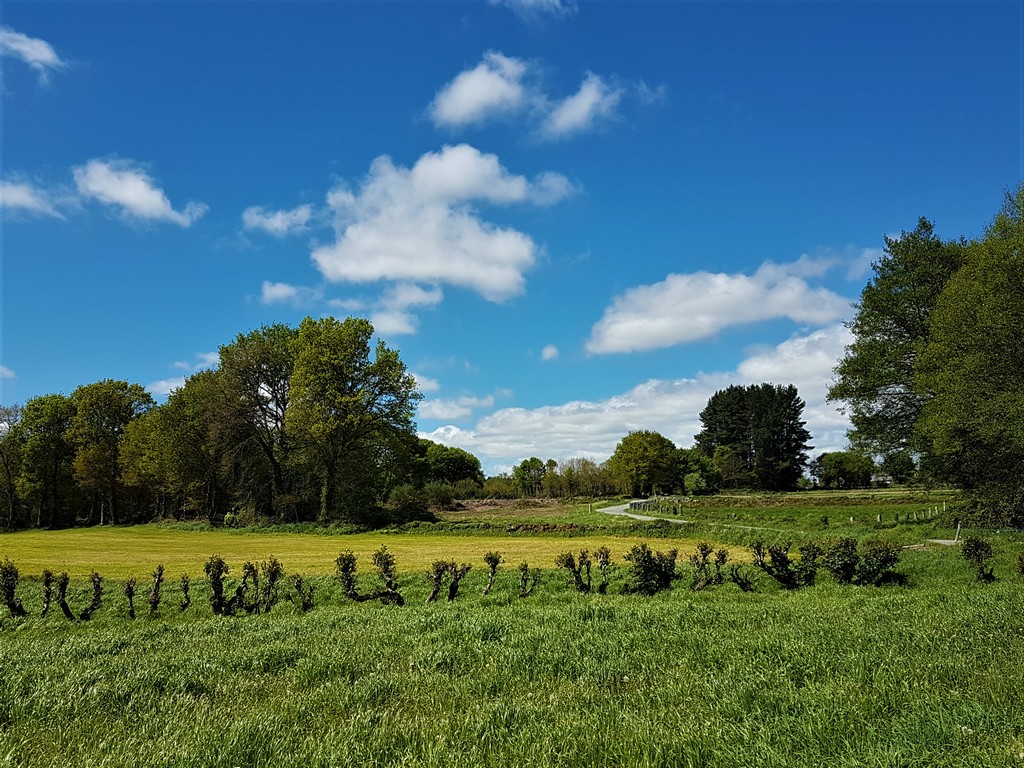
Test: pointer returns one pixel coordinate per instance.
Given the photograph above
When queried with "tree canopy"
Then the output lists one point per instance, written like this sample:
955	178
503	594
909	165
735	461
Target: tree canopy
756	435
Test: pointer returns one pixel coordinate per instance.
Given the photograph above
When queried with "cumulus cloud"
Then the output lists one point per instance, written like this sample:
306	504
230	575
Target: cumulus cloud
164	387
458	408
596	101
493	87
688	307
284	293
550	352
277	223
24	199
124	184
419	225
37	53
591	429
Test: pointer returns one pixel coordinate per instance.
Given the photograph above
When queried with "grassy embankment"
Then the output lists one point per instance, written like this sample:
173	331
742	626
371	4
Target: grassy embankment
927	674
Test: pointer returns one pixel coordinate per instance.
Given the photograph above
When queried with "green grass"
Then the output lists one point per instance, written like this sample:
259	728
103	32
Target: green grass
927	674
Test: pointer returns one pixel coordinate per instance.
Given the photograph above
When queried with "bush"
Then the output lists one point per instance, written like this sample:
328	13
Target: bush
8	586
439	494
978	552
216	570
97	597
493	560
877	560
576	569
774	560
650	572
528	579
841	560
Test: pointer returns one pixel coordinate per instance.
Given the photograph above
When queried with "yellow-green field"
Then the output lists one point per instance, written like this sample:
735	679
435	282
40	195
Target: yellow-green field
135	551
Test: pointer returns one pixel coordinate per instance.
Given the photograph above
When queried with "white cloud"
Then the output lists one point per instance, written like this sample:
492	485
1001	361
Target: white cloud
550	352
277	223
6	373
425	383
592	429
594	102
126	185
688	307
458	408
391	316
21	198
493	87
534	9
164	387
417	225
37	53
284	293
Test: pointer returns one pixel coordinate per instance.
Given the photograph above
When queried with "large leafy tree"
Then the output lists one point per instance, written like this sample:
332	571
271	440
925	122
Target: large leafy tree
971	373
103	411
644	463
10	465
760	428
875	378
255	386
46	482
345	400
528	476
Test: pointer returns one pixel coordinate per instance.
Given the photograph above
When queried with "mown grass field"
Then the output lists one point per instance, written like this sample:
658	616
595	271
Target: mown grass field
926	674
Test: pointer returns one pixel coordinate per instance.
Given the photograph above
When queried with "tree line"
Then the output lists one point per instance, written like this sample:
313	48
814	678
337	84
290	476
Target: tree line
933	381
753	437
293	424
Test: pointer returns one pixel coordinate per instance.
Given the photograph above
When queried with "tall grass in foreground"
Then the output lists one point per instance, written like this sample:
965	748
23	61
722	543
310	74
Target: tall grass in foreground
927	675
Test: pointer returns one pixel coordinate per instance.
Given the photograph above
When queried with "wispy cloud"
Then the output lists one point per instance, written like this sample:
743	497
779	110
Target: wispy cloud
164	387
285	293
35	52
127	186
592	429
458	408
27	200
533	10
688	307
550	352
595	101
6	373
421	226
277	223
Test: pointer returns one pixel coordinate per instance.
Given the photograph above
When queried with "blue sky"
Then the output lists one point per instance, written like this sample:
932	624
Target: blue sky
574	220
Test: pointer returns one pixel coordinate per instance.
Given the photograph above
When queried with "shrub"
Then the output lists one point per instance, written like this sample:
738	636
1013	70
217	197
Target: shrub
385	564
97	597
440	495
47	591
408	501
345	571
436	576
62	596
978	552
527	579
186	597
841	560
703	577
273	572
129	592
458	573
650	572
739	577
603	558
154	591
774	560
305	592
493	560
877	560
577	569
8	586
216	570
